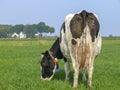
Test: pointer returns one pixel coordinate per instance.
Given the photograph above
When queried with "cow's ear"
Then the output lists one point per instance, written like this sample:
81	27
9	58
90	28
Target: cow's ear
46	52
43	53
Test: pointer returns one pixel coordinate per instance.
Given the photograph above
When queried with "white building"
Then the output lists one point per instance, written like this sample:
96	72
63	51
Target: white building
22	35
48	34
38	34
15	35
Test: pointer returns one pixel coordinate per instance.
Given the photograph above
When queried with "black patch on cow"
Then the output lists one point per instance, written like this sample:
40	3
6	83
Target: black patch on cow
79	21
76	26
93	25
73	42
62	27
60	37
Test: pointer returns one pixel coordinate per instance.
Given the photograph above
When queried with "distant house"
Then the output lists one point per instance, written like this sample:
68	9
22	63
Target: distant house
38	34
20	35
15	35
48	34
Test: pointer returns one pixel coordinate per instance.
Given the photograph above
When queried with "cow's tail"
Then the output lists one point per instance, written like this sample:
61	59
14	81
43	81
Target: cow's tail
83	51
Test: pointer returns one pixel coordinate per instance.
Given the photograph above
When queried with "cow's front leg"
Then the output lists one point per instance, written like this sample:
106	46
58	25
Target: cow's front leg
76	74
67	71
84	75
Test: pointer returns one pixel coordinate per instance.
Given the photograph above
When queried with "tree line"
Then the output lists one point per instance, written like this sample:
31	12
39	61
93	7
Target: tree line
28	29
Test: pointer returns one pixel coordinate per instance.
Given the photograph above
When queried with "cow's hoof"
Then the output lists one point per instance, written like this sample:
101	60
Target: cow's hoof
89	85
67	79
75	87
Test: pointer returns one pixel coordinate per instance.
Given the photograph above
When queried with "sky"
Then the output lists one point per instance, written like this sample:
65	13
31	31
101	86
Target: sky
53	12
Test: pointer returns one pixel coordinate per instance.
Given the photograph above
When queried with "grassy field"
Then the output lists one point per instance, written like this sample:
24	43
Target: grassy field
20	67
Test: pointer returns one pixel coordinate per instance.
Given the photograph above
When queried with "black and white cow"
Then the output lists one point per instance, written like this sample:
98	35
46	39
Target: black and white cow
80	43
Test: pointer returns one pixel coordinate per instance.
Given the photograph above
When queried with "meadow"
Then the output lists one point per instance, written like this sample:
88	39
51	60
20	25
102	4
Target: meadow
20	66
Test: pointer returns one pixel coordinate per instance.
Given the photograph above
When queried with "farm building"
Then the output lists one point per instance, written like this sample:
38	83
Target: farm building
38	34
48	34
20	35
15	35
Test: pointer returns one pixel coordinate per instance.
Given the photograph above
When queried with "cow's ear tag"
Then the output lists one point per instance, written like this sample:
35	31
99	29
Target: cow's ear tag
55	61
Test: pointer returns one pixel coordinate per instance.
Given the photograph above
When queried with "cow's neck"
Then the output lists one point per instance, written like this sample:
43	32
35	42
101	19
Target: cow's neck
55	50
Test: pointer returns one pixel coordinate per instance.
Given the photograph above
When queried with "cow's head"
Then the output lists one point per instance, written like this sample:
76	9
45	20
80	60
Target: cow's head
48	66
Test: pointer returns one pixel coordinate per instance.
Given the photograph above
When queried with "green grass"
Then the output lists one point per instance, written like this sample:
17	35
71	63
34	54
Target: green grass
20	67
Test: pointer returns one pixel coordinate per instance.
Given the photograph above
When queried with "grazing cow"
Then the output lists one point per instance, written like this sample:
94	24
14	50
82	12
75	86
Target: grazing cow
49	61
80	43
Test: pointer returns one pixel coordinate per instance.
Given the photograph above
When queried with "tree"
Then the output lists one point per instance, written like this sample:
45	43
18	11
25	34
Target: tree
16	28
41	27
51	29
30	30
4	29
19	28
110	35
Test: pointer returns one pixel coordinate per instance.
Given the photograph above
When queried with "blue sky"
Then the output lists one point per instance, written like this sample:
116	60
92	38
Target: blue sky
53	12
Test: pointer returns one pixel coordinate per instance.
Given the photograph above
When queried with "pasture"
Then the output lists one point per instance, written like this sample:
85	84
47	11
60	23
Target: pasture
20	66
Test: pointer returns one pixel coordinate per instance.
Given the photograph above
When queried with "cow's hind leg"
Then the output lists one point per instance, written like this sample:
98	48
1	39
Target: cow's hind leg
90	73
67	71
76	74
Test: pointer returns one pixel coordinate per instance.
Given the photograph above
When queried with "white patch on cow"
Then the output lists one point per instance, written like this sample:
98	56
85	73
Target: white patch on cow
51	76
66	37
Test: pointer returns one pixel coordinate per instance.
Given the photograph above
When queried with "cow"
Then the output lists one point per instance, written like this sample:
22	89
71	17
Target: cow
80	43
49	61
